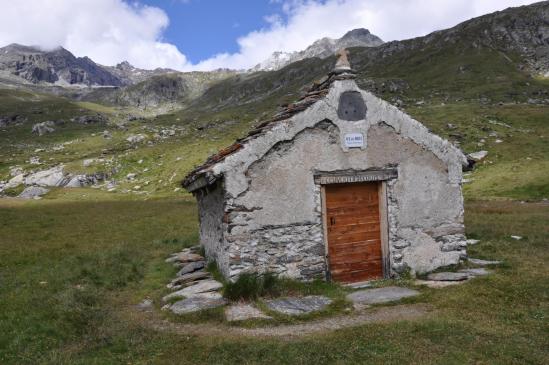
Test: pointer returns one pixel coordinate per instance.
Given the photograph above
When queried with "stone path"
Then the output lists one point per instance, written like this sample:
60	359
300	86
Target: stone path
295	306
289	332
380	295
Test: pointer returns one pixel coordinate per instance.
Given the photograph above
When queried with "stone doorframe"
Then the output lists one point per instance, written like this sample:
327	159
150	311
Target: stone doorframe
322	179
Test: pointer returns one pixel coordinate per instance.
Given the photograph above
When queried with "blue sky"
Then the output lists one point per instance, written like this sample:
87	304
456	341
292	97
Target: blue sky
205	35
203	28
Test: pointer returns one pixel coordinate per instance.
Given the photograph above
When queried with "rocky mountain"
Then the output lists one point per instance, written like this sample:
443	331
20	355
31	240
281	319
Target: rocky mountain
479	84
519	35
132	75
160	89
59	67
491	57
321	48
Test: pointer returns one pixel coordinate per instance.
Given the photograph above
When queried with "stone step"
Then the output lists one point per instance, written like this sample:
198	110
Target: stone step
299	305
447	276
189	278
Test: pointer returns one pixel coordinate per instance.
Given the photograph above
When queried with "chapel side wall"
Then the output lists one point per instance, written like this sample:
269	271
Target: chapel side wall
211	213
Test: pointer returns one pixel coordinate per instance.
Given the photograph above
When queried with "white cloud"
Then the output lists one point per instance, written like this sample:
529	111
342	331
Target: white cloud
110	31
107	31
309	20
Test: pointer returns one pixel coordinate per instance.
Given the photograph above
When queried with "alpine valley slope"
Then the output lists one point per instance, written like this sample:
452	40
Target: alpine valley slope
482	84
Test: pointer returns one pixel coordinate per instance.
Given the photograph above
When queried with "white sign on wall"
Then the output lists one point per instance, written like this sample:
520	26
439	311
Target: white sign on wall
354	140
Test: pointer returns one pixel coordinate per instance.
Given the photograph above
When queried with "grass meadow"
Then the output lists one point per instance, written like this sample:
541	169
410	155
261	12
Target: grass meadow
72	271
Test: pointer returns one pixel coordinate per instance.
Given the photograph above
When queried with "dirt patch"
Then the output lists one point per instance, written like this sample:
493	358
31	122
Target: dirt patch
374	315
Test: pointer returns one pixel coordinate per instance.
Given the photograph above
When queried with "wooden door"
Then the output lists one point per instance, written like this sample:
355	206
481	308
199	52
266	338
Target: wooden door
354	234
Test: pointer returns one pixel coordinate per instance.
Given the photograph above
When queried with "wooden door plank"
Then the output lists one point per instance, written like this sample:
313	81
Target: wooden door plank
353	230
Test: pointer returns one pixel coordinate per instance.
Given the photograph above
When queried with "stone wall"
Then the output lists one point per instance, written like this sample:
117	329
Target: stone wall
272	211
293	250
211	212
276	225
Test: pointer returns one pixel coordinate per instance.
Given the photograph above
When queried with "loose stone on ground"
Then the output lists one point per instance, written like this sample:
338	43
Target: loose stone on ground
242	312
295	306
33	192
484	262
475	272
381	295
447	276
146	305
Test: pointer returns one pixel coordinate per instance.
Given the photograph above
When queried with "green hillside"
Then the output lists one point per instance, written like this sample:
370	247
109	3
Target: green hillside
481	83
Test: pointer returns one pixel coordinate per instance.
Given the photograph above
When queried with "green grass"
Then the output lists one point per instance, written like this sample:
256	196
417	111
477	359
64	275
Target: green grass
518	167
71	272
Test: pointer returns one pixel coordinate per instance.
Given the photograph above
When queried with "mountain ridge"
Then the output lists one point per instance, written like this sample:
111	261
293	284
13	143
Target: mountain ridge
56	67
321	48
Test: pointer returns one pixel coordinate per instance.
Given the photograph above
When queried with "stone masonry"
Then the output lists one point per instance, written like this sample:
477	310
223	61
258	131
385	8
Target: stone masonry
261	207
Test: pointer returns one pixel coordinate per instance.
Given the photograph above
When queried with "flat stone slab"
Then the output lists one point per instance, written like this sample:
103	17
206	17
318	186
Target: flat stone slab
438	284
190	291
483	262
295	306
189	257
208	295
191	267
242	312
191	305
476	272
188	279
381	295
33	192
447	276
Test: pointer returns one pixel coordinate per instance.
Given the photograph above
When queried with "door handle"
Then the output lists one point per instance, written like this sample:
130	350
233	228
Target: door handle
332	221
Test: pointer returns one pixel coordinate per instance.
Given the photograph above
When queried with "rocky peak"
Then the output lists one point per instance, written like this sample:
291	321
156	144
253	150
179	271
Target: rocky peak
57	66
322	48
357	34
19	48
125	66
